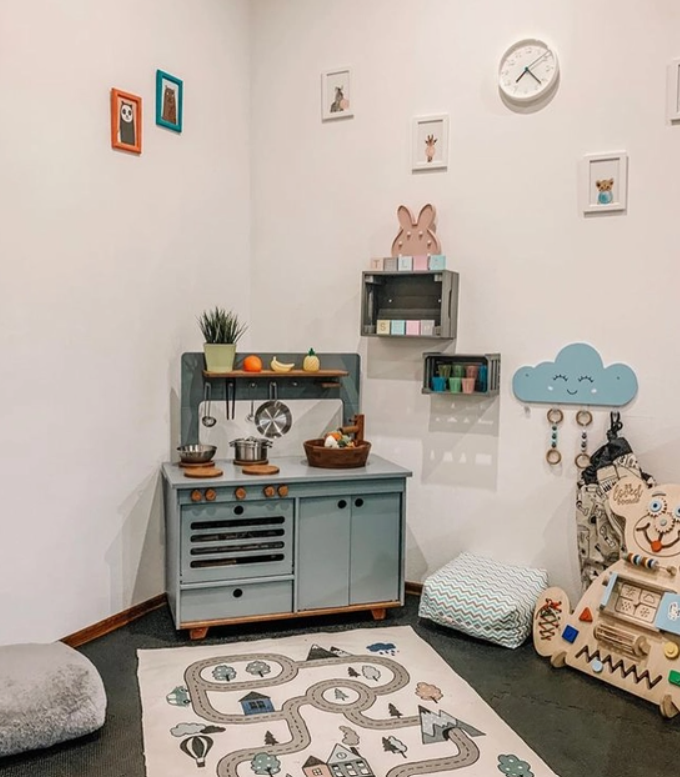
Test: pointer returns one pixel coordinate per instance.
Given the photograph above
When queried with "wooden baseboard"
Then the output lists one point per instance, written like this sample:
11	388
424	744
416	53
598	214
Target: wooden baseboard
114	622
413	588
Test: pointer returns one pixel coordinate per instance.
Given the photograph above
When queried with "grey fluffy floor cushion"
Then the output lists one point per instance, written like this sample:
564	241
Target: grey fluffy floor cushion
48	694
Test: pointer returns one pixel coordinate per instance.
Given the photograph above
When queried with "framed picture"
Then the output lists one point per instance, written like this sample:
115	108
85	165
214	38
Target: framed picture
169	95
126	121
336	94
604	182
430	150
673	91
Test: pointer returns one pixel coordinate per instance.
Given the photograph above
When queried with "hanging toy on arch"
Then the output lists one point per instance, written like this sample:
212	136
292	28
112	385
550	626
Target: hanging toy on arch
555	417
583	418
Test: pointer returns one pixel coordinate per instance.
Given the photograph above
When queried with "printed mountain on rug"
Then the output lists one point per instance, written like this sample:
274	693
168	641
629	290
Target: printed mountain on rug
364	703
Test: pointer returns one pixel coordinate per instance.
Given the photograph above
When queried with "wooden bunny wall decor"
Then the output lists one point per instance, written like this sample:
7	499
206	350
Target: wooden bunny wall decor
416	237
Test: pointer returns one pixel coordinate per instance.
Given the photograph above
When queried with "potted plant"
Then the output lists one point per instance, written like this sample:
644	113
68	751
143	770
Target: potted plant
221	331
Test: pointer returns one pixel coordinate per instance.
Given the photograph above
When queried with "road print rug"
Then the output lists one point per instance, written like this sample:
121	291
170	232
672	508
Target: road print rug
362	703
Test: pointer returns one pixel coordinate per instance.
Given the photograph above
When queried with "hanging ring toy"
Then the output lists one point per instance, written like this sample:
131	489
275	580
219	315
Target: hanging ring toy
555	416
583	418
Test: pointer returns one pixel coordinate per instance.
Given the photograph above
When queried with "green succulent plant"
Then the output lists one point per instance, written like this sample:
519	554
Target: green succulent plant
221	326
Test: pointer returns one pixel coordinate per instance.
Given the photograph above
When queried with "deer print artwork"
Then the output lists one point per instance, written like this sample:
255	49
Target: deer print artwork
430	150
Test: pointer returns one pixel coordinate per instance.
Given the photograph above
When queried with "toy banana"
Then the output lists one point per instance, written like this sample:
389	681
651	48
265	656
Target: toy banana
278	366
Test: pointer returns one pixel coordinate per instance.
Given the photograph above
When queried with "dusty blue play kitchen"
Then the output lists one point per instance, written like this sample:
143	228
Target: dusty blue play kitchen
296	540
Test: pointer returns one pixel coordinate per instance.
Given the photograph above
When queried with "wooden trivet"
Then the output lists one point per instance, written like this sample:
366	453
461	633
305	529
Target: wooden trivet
260	469
240	463
202	472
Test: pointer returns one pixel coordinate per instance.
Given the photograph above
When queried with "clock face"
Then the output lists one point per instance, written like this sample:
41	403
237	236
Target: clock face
528	71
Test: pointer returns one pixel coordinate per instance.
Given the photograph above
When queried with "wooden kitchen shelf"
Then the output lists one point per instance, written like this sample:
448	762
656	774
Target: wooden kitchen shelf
274	374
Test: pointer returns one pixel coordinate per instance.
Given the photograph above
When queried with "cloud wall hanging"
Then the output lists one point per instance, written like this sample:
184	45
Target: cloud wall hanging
577	376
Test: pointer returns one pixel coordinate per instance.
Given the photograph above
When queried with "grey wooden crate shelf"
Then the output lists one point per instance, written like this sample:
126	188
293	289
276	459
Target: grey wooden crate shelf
410	296
492	361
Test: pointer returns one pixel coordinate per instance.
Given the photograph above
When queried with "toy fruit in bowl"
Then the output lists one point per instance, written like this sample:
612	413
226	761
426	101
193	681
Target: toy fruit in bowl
278	366
252	363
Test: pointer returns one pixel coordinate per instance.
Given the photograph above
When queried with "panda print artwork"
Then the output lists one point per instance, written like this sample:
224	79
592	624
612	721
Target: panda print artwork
126	125
126	121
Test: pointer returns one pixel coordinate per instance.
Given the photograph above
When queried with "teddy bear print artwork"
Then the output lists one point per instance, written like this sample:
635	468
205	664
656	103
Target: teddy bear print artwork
625	630
604	191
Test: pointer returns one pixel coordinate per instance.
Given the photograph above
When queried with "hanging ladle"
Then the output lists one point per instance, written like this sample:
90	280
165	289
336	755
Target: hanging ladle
207	419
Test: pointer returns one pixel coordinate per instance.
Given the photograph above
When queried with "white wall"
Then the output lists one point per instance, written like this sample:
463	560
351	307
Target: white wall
535	275
107	258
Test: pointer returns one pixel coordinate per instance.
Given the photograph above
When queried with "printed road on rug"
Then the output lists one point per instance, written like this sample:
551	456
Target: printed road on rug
362	703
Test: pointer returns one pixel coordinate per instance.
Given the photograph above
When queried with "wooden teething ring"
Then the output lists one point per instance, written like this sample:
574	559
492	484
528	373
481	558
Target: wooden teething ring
553	456
584	418
582	460
555	415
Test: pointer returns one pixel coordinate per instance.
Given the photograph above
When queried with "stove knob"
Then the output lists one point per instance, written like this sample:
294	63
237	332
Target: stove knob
196	495
269	491
240	493
283	490
211	494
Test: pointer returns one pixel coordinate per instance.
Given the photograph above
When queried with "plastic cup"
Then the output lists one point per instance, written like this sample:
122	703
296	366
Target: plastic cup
471	370
455	385
459	370
438	383
468	385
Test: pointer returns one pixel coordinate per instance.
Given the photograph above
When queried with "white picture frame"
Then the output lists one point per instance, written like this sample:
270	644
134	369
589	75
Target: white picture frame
673	91
336	94
430	142
604	182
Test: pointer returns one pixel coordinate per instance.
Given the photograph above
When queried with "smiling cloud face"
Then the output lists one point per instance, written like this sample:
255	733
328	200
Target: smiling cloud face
577	377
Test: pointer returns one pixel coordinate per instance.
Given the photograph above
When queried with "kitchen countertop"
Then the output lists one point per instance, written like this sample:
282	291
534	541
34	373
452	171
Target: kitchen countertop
291	469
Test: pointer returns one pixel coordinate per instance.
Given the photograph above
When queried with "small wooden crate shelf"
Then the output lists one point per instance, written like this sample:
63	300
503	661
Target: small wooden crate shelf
432	362
410	296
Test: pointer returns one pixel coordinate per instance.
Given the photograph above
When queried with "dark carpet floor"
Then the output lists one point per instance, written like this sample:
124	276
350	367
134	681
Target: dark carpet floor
580	727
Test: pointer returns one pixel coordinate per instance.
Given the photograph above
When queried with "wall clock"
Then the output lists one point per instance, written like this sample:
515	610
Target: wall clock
528	72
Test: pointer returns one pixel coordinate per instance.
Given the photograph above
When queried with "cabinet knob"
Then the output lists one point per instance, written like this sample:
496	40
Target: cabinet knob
240	493
283	490
342	504
268	491
359	502
211	494
196	495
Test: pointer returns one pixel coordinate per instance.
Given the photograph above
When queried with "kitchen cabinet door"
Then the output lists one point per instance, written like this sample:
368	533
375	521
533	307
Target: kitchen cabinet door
322	574
375	557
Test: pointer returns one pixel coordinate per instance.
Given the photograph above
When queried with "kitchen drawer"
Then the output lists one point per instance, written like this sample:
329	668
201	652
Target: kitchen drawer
235	601
230	541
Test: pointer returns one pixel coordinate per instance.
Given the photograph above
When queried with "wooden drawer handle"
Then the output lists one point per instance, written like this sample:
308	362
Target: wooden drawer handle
196	495
211	494
240	493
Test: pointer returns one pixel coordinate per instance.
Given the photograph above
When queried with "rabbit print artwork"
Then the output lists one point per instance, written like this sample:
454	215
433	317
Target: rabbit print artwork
341	103
625	630
126	123
416	236
604	191
169	105
430	142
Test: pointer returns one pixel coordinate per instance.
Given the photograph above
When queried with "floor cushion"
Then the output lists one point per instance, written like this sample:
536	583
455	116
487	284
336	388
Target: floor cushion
48	693
484	598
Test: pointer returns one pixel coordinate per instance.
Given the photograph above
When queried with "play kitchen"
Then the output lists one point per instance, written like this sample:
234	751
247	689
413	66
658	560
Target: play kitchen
255	535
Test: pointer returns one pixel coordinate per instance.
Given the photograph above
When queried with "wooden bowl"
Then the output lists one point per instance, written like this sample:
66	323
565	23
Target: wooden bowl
336	458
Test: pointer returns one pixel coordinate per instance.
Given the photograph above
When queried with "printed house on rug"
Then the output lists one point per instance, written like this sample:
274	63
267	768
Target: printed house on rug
343	762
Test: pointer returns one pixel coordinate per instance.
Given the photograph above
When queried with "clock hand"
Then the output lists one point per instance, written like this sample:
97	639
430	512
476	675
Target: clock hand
537	60
523	73
533	76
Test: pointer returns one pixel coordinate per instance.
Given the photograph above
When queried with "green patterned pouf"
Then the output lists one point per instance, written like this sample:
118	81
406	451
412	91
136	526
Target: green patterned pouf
48	693
484	598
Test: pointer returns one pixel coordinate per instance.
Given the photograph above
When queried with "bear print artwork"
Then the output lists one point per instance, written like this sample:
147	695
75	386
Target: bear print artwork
604	191
169	105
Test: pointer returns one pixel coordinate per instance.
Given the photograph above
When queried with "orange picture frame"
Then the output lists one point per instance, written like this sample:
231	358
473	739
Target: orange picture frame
126	121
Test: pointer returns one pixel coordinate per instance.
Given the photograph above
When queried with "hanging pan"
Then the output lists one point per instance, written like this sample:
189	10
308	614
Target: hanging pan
273	418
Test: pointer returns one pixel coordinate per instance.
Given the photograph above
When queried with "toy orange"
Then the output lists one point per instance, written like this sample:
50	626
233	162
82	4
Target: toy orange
252	363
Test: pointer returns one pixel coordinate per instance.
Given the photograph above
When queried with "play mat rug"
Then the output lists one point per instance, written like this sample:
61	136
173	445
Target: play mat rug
362	703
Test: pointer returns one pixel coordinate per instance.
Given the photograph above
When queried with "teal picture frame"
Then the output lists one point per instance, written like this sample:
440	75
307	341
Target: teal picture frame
169	101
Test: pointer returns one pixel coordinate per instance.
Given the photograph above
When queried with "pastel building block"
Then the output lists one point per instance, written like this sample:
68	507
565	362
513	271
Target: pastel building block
420	264
405	263
377	263
569	634
413	327
390	264
398	327
427	327
383	326
437	262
